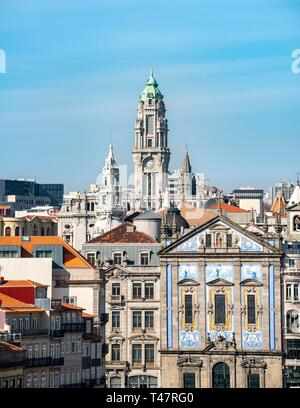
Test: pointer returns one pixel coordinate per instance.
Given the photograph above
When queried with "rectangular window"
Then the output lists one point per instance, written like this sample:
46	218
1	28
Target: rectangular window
149	353
91	257
293	349
220	315
288	292
145	258
136	320
136	354
115	352
43	254
137	290
149	124
115	289
115	320
229	240
189	380
117	257
251	309
8	254
149	290
253	380
296	292
149	320
188	309
208	240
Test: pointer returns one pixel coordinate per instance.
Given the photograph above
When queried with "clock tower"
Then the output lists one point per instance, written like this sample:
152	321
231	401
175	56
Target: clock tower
151	155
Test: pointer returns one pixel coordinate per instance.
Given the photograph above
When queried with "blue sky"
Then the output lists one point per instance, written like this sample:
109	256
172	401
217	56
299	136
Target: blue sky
75	69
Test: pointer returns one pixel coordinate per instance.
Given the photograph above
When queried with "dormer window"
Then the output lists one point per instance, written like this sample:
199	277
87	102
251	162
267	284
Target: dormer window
145	258
117	258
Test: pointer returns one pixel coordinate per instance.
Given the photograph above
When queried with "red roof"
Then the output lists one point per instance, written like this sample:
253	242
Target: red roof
228	208
125	233
68	306
22	283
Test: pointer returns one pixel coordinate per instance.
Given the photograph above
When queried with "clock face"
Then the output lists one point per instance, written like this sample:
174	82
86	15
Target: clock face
149	164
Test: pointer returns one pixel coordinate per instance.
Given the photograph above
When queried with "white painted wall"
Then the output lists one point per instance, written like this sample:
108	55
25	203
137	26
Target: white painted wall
84	295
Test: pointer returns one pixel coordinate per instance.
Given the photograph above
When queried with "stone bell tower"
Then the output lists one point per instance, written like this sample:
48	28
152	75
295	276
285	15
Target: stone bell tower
151	155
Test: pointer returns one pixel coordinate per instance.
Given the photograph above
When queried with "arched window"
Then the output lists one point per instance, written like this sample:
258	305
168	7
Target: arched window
292	321
42	231
296	223
17	231
92	206
7	231
221	376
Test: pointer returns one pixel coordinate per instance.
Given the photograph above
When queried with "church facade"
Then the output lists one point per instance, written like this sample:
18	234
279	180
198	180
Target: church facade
221	309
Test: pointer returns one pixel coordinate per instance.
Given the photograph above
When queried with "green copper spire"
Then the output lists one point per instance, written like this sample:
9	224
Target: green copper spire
151	89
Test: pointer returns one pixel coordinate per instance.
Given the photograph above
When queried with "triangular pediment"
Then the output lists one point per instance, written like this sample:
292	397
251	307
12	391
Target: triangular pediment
219	282
242	241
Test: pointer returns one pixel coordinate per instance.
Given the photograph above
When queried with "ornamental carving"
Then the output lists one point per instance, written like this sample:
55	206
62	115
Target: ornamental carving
189	361
253	362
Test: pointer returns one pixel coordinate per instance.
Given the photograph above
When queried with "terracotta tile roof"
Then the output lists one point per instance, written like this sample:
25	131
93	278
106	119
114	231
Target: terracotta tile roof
72	258
68	306
12	305
228	208
24	310
87	316
122	234
9	347
22	283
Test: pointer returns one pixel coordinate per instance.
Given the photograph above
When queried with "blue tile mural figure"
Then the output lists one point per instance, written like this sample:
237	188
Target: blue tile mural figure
222	271
187	271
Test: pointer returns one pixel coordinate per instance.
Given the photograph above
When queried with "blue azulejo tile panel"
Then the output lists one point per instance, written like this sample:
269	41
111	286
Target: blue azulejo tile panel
251	271
272	307
189	339
188	246
169	307
248	245
187	271
222	271
252	340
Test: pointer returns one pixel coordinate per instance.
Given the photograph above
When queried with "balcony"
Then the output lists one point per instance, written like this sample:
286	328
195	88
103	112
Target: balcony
38	362
57	361
73	327
35	333
117	299
57	333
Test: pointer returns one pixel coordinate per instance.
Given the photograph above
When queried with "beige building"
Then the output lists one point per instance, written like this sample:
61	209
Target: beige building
221	309
38	225
131	265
